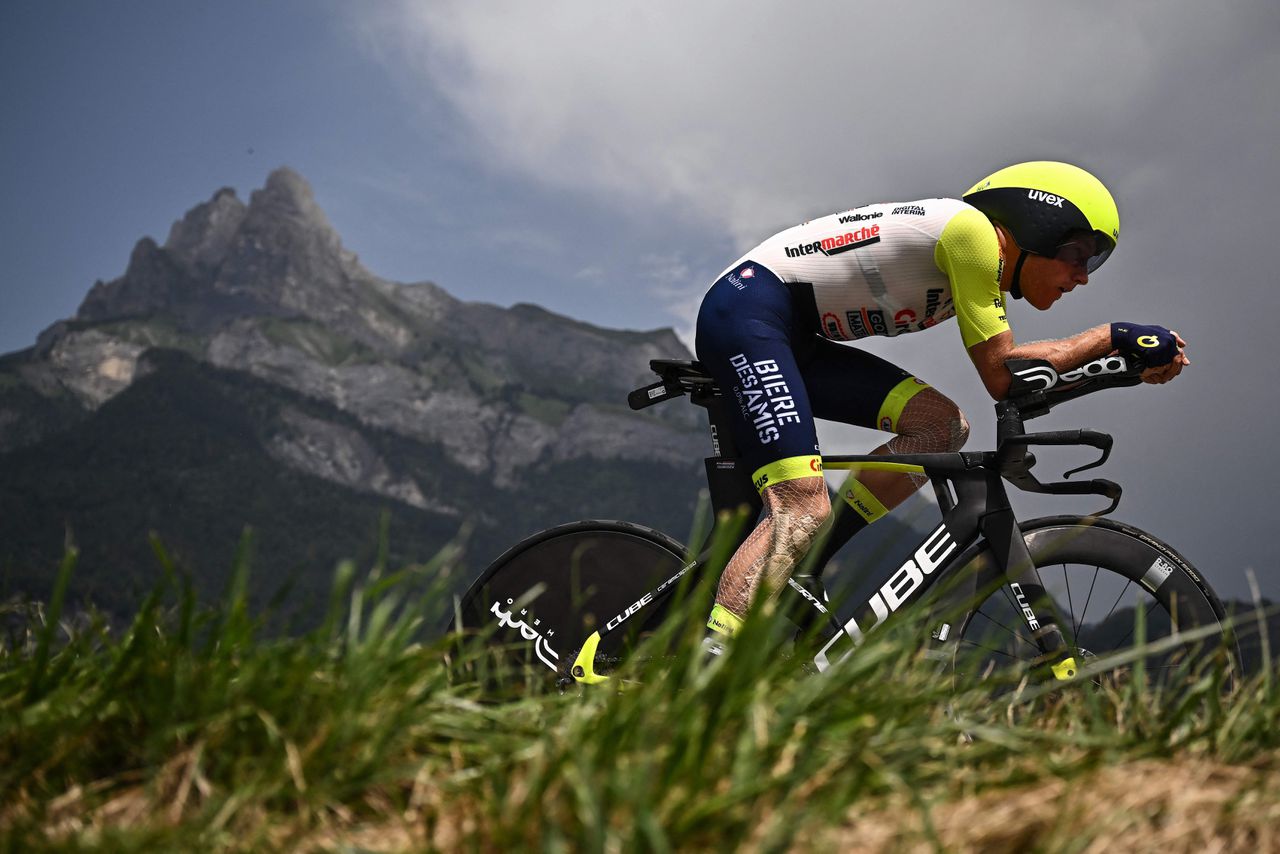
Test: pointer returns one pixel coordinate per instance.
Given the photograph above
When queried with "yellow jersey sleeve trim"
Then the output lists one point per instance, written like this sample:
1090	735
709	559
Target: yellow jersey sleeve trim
789	468
896	400
969	253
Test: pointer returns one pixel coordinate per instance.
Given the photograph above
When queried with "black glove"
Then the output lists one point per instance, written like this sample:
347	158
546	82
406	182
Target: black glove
1152	345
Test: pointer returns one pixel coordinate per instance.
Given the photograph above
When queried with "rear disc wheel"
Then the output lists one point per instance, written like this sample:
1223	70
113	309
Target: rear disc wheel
541	599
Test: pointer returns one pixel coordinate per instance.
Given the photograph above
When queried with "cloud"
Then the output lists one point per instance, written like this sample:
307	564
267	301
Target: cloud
751	118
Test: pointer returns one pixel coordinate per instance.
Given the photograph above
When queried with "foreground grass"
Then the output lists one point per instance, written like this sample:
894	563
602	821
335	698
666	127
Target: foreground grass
190	730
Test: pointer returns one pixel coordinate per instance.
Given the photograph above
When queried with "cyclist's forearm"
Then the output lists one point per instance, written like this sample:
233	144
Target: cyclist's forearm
1067	353
990	356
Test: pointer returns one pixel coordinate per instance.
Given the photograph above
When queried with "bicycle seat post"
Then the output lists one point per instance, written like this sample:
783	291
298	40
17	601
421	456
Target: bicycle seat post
728	482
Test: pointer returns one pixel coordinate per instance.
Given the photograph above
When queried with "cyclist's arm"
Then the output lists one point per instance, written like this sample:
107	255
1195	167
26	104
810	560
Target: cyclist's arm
989	356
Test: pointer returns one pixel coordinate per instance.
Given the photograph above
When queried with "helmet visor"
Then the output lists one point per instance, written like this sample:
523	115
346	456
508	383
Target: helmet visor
1085	249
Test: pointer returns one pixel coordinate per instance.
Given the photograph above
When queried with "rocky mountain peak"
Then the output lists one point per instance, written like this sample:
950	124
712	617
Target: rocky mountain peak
277	255
286	201
203	237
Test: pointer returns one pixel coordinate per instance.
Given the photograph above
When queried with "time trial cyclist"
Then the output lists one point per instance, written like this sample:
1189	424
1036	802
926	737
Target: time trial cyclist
768	330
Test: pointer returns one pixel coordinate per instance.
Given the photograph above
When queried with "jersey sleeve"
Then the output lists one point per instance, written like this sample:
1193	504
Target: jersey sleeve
969	253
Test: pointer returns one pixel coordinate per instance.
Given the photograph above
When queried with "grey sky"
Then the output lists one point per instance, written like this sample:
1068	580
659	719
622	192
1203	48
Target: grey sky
607	160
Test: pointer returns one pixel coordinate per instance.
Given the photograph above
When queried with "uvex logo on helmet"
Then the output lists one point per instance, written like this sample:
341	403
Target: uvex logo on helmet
1047	198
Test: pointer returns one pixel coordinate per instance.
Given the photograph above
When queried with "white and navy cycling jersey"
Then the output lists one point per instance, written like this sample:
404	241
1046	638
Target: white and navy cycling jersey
895	267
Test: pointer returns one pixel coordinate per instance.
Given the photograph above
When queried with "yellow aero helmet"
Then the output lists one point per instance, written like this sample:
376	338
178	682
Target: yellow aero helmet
1042	202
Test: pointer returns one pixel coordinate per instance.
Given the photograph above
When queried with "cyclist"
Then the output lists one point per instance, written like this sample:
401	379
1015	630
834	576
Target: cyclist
768	330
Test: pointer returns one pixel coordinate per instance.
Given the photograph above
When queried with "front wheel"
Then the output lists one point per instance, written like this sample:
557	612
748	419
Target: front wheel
1109	582
542	598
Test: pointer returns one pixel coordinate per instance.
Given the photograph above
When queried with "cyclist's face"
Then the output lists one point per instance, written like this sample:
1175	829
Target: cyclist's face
1045	279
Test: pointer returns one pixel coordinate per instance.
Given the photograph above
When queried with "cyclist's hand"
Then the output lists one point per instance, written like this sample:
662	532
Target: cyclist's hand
1154	346
1173	369
1164	373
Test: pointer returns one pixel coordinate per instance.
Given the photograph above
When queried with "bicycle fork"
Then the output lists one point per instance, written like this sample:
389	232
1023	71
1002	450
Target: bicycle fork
1033	602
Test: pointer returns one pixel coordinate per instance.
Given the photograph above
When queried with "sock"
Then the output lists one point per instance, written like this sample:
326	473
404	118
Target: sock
724	622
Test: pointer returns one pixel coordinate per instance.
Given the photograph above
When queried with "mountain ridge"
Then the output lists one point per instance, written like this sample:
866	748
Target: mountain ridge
397	375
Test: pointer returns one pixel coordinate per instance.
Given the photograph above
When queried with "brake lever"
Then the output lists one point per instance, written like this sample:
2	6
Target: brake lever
1108	489
1101	441
1097	486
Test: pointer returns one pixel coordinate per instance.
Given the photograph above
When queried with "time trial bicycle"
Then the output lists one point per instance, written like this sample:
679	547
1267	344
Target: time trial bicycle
1043	595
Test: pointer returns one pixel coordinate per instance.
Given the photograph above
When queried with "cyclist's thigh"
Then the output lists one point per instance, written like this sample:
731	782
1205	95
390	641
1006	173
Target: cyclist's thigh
853	386
744	337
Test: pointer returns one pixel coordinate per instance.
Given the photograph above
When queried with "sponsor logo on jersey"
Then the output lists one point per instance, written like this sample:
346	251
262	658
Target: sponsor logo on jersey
831	323
910	210
1047	198
859	217
875	321
867	321
856	324
932	302
864	236
765	397
736	279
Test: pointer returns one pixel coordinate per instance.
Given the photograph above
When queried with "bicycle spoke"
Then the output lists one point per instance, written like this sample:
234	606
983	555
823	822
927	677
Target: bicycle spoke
1087	599
1145	620
991	649
1067	580
1117	602
1006	628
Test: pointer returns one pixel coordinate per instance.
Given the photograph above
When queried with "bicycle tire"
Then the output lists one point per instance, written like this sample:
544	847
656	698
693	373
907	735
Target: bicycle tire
589	572
1147	572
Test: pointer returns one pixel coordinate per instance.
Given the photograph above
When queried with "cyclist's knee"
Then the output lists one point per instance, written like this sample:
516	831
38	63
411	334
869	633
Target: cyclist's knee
931	423
802	498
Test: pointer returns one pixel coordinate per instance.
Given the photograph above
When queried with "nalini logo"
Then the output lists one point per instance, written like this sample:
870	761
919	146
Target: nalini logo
747	272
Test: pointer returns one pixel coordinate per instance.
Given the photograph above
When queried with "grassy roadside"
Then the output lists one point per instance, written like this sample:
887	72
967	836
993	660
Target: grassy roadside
191	730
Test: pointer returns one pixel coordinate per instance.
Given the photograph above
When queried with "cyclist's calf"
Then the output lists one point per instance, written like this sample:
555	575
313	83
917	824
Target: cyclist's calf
794	511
